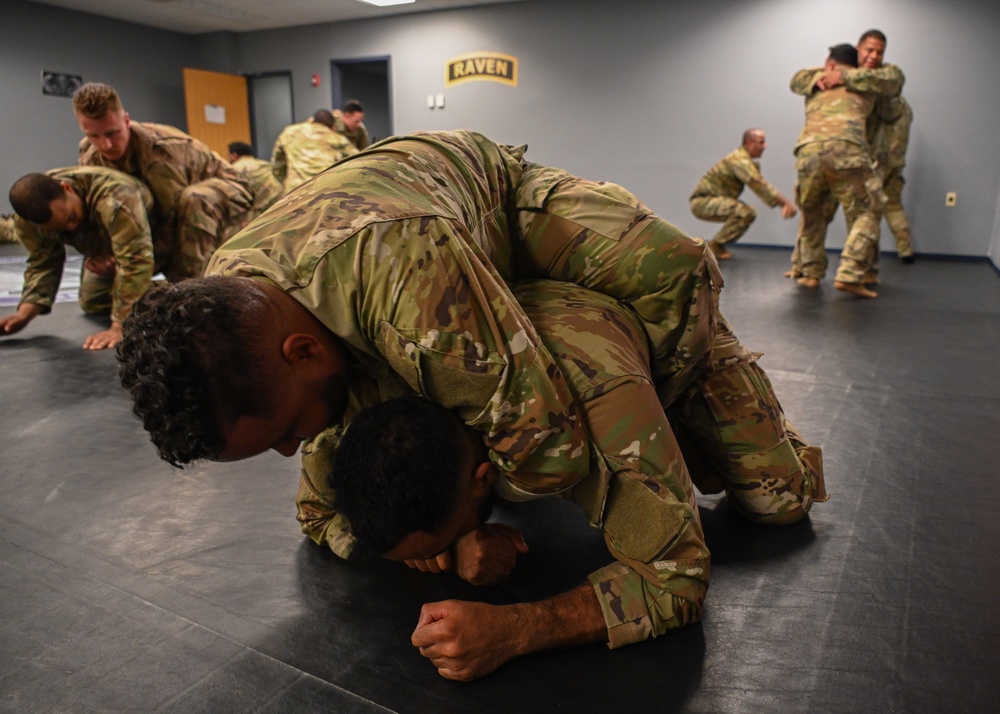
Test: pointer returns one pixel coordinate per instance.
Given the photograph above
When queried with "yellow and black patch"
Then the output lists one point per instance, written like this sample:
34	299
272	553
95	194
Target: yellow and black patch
481	66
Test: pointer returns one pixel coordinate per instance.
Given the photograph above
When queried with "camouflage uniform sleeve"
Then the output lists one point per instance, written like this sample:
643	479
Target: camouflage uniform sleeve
639	491
746	171
132	246
345	146
885	81
643	500
804	81
279	161
316	515
451	329
46	258
166	182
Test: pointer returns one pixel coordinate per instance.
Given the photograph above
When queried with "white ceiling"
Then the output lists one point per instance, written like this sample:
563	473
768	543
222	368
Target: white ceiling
197	16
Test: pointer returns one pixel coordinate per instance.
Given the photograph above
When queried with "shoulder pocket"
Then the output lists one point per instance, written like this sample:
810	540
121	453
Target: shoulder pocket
641	523
449	369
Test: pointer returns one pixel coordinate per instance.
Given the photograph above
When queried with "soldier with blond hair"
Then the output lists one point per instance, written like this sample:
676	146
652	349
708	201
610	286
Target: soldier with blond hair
199	198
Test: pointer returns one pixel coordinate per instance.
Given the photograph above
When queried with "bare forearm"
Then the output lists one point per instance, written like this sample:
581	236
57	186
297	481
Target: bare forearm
571	618
467	640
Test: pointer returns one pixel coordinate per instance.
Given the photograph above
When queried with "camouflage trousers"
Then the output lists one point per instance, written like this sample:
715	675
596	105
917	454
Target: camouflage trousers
208	213
736	438
737	216
599	236
895	216
96	296
831	173
729	434
96	292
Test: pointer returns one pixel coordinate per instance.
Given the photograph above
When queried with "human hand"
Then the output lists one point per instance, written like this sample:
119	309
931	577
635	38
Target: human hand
487	555
15	322
104	340
788	211
465	640
101	265
829	79
441	563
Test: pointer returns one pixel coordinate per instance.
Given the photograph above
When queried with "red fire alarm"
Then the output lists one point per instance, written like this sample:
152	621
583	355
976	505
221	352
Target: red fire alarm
314	80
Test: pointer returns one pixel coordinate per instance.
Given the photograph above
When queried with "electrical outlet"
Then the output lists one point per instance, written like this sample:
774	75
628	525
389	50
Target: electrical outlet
950	198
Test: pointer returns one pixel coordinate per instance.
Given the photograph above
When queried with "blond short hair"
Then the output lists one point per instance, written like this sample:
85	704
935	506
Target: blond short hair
95	100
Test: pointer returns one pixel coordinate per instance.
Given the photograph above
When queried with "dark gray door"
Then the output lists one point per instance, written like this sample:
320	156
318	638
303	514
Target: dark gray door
368	81
270	109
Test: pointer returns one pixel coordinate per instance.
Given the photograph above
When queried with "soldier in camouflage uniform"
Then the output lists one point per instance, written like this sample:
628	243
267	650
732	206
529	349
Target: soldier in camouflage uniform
715	198
834	164
199	199
348	121
639	490
305	149
448	218
889	134
258	175
387	275
8	233
102	213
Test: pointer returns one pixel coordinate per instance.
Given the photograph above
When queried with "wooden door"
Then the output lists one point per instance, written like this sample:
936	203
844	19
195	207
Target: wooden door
218	112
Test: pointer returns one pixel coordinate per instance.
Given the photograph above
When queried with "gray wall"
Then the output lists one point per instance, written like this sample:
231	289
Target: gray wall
649	95
39	131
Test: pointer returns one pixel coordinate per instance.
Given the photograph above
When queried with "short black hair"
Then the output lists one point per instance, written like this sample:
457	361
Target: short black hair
189	357
31	196
877	34
844	54
241	148
396	472
351	106
324	117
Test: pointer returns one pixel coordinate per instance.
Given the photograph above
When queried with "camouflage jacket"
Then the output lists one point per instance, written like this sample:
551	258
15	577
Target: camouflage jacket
169	161
728	177
358	137
8	233
843	114
637	491
304	150
259	177
115	223
403	252
896	135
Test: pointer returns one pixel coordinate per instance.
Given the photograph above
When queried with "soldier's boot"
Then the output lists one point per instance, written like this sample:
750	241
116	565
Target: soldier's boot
870	278
807	282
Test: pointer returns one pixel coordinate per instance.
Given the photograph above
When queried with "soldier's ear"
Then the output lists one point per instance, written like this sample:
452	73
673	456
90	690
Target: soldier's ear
483	478
300	347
